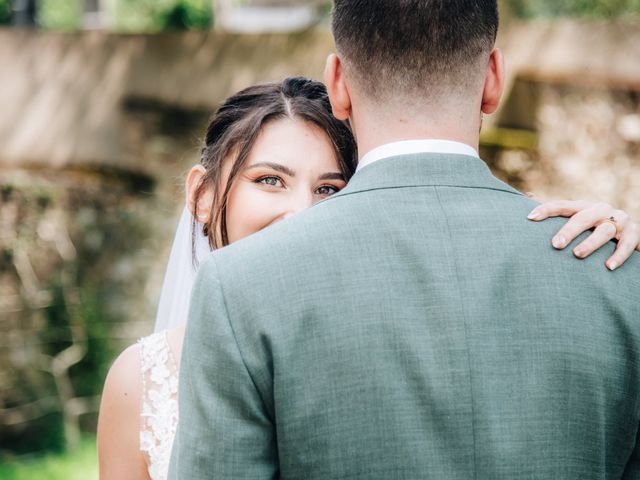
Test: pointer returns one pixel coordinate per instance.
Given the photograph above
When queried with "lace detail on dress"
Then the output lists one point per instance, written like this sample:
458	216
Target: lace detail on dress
159	415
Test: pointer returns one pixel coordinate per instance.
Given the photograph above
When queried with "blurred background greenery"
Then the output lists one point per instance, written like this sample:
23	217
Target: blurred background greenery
87	213
127	15
575	8
159	15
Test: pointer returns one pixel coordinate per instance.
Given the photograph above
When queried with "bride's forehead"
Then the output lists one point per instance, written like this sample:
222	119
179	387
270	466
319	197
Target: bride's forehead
293	143
291	137
291	129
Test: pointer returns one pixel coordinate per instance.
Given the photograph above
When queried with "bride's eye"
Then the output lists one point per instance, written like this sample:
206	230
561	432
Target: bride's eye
270	181
327	190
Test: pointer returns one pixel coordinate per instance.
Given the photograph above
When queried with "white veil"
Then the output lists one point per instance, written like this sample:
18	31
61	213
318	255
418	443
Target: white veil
173	307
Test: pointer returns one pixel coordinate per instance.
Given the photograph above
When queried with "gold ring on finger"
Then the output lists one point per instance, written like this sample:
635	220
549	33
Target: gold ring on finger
612	220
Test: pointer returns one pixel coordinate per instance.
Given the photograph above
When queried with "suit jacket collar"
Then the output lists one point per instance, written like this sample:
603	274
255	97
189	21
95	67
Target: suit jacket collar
425	169
414	147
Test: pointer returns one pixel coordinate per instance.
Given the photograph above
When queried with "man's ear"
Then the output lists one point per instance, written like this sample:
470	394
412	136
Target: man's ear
493	82
337	88
194	179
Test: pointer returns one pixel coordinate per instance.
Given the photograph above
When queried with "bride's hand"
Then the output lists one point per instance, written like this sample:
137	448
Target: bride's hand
608	223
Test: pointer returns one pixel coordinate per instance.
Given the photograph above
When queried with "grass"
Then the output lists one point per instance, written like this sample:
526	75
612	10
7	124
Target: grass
79	465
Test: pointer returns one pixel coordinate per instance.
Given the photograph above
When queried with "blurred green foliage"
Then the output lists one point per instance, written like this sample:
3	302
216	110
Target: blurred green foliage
158	15
84	291
162	15
127	15
573	8
88	376
46	434
189	15
59	14
5	12
79	465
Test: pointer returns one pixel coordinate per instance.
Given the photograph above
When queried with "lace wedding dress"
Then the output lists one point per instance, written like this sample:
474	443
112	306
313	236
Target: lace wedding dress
159	414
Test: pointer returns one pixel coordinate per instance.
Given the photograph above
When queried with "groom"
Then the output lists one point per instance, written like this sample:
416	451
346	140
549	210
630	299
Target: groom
413	325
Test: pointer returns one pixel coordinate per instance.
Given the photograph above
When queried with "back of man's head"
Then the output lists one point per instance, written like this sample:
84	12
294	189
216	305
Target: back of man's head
396	50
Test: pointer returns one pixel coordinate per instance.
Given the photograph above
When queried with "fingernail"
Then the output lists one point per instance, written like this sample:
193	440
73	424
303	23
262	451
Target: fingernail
612	266
559	242
534	215
578	252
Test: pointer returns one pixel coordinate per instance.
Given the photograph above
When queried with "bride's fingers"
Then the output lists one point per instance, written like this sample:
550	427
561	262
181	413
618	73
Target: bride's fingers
600	236
533	196
586	215
581	222
557	208
628	242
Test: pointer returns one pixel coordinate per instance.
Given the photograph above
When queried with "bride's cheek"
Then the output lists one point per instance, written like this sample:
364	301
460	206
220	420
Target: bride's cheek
257	212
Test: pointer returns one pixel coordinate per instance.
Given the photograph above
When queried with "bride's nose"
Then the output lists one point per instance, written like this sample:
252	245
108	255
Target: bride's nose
297	203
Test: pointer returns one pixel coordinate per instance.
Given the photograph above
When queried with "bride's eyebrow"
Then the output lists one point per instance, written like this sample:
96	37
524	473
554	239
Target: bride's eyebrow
332	176
274	166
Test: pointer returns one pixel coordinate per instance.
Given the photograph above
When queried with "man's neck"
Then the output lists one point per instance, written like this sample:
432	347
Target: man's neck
375	130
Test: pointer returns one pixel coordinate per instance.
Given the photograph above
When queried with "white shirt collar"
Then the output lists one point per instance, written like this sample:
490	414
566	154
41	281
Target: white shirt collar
408	147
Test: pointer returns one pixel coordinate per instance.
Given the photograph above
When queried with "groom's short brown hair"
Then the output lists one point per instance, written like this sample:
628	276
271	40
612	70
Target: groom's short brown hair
413	46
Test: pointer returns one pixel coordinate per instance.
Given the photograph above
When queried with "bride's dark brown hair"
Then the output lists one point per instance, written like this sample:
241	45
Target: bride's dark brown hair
236	124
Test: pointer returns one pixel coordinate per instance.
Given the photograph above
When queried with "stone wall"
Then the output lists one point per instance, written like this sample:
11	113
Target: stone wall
65	95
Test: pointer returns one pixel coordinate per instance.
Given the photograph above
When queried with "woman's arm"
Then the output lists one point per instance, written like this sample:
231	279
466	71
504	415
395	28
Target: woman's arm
119	452
607	222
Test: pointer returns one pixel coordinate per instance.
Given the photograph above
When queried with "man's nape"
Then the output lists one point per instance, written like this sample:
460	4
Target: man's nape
413	95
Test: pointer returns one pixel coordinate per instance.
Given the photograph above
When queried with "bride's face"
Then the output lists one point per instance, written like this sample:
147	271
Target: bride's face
291	166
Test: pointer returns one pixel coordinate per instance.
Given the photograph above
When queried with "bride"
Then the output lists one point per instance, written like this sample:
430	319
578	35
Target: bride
270	151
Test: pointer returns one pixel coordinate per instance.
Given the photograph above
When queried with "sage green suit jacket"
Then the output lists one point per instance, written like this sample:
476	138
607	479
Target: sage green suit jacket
413	326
